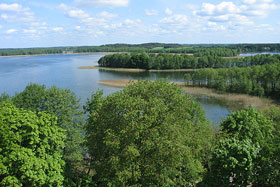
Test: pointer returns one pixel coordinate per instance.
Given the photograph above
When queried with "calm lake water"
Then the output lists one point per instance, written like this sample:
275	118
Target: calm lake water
61	71
263	53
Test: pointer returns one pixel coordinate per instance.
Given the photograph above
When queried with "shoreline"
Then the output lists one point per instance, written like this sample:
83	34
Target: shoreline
45	54
135	69
240	100
190	54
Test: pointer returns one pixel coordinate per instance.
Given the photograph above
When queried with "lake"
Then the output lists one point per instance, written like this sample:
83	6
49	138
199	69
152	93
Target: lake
61	71
263	53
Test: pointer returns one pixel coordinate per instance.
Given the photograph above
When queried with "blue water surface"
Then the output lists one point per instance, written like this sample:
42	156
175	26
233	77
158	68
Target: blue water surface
61	70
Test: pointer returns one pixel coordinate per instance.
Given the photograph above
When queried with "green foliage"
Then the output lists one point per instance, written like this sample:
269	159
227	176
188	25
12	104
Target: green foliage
256	80
255	47
216	52
273	112
149	134
30	148
233	163
63	104
198	50
247	155
248	124
180	61
4	97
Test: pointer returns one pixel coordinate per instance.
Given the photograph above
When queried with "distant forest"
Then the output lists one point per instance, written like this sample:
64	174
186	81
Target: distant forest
255	75
198	50
260	80
178	61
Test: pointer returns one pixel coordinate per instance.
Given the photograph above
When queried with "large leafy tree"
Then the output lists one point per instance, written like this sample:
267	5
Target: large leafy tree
30	148
247	153
148	134
65	106
273	112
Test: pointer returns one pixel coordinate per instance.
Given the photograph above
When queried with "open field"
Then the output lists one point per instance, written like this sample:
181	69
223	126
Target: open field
242	100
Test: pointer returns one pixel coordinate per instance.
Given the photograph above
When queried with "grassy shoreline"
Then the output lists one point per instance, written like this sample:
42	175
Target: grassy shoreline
242	100
135	69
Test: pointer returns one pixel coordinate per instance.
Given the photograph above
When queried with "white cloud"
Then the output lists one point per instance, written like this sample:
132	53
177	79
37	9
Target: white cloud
56	29
4	16
249	1
11	7
261	10
107	15
96	22
62	6
38	26
99	33
214	28
129	21
211	24
252	8
168	11
10	31
175	20
235	14
190	6
77	14
209	9
103	3
116	26
16	13
238	19
100	21
78	27
256	1
1	26
151	12
29	30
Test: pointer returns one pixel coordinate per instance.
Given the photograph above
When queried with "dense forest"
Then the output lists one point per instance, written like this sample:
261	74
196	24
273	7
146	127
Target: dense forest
148	134
245	48
122	48
261	80
226	50
178	61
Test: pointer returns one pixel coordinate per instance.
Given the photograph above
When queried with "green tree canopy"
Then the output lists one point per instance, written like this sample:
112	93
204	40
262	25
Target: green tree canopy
148	134
247	154
63	104
30	148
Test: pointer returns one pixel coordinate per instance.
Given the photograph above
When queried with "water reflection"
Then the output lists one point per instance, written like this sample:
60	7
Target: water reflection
145	75
263	53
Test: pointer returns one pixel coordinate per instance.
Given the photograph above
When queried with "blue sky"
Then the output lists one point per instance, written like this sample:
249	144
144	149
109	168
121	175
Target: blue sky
38	23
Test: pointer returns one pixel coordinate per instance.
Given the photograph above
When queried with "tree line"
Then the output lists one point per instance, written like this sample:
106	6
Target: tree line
148	134
260	80
199	51
121	48
247	48
176	61
226	50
